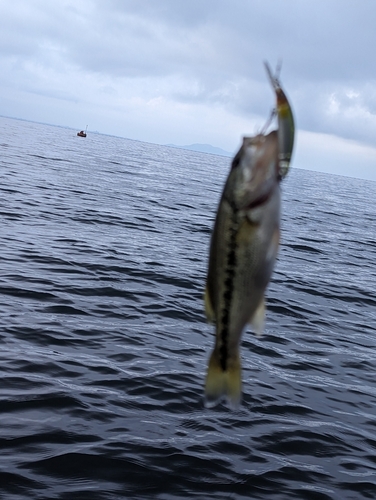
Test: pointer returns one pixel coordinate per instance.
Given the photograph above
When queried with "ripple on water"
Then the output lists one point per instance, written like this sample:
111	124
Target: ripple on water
105	344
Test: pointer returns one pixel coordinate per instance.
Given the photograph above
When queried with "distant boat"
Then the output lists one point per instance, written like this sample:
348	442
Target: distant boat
82	133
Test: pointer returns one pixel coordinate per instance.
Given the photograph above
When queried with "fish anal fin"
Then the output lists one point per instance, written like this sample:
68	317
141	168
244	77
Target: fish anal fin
210	316
257	321
223	384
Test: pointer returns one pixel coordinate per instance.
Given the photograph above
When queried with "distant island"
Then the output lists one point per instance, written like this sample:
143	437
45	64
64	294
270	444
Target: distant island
203	148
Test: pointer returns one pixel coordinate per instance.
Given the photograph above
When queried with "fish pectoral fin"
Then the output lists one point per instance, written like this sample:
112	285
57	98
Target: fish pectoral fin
208	307
223	383
257	321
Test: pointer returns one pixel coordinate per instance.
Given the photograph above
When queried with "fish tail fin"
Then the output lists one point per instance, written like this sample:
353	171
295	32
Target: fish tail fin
223	383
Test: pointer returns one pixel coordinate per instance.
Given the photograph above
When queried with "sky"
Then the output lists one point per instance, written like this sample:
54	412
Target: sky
191	71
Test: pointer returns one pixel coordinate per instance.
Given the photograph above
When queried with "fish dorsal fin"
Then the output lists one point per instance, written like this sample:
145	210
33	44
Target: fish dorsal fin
210	316
257	321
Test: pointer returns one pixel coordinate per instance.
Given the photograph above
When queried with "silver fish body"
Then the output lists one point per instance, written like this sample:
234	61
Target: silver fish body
243	250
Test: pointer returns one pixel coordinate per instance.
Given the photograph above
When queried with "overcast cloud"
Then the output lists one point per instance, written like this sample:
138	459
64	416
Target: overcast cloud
191	71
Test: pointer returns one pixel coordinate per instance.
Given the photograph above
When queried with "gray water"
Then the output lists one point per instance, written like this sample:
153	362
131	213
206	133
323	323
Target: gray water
104	343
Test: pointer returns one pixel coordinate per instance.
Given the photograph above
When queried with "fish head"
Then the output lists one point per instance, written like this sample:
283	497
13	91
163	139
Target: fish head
254	171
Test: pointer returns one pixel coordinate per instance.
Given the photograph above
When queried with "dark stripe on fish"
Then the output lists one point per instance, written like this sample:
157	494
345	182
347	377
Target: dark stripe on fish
228	291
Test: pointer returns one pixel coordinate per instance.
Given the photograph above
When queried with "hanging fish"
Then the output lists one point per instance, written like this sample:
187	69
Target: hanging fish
244	246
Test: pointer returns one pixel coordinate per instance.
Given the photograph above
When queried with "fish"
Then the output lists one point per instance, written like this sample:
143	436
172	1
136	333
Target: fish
244	246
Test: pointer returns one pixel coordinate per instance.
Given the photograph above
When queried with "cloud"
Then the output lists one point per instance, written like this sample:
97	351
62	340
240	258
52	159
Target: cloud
345	157
178	71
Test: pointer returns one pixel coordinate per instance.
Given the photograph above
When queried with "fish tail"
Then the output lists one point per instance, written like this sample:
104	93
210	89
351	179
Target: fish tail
223	383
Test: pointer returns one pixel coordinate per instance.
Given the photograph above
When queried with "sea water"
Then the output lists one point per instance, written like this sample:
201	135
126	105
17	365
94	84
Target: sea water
104	343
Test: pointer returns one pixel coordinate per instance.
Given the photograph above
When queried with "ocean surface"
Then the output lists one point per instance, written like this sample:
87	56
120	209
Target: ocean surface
104	344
